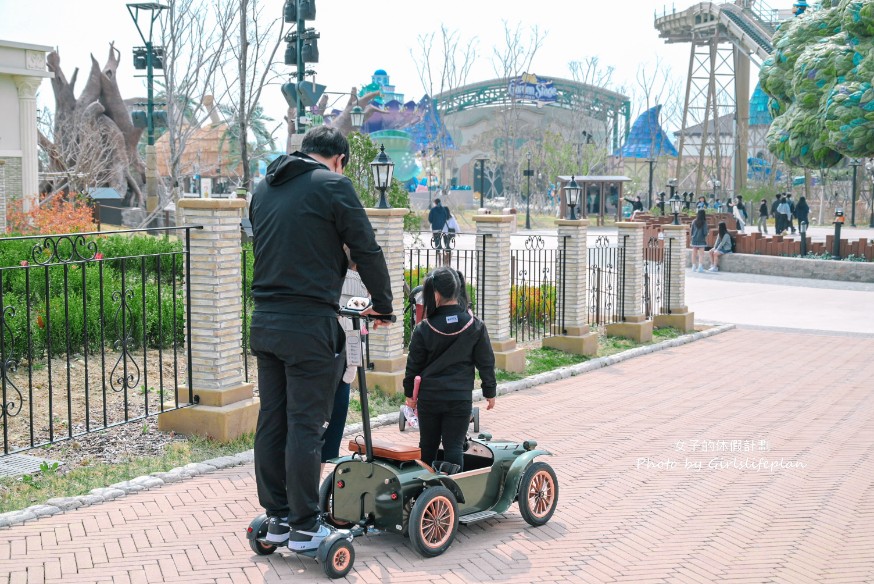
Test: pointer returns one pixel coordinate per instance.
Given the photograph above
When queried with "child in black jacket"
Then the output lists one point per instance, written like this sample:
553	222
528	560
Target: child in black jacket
444	349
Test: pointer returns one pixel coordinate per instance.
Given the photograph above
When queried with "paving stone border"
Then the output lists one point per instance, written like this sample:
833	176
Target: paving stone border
158	479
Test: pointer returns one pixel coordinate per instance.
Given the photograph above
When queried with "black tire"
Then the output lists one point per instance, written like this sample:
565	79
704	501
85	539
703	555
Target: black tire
339	560
262	549
402	420
433	521
538	494
475	417
326	500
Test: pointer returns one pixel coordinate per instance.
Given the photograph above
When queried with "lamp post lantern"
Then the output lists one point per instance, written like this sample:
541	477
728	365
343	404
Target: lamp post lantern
855	163
572	194
357	116
528	174
676	204
382	167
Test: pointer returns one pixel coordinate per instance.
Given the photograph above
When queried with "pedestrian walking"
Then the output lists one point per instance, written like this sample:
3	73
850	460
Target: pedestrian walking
763	217
437	217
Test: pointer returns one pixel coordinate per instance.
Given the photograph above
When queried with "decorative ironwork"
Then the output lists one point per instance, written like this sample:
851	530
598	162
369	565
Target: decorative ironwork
63	249
124	379
653	274
534	242
534	290
9	362
603	281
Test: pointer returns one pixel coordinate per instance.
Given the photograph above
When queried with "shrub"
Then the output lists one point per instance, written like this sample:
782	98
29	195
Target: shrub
57	215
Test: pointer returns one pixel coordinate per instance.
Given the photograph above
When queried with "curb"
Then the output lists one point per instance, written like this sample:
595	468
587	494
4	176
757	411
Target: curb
61	504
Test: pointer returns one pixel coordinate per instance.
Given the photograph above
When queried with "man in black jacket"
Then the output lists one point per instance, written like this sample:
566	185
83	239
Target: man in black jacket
302	214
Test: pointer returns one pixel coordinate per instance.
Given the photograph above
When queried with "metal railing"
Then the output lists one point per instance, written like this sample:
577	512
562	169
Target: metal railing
535	274
606	281
89	339
653	276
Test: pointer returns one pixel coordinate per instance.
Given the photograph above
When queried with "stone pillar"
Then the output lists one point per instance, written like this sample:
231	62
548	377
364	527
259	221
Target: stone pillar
674	312
571	329
493	291
27	87
634	324
225	407
2	196
387	343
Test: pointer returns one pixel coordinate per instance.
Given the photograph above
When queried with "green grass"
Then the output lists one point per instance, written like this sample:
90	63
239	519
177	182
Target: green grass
19	493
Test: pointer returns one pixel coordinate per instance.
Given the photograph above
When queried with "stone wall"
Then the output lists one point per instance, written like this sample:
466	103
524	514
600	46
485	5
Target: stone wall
13	177
843	271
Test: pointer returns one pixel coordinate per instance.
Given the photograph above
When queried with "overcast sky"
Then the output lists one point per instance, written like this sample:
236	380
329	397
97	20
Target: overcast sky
360	37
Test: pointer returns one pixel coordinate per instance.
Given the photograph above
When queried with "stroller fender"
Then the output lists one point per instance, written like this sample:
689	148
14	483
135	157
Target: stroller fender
514	475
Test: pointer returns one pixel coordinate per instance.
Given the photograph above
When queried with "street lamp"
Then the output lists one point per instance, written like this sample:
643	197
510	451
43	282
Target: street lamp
357	115
870	168
482	180
855	163
802	228
154	59
651	162
676	204
572	194
528	173
382	168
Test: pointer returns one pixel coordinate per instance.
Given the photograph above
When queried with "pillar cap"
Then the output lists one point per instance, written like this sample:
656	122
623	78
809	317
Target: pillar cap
675	227
630	225
494	218
395	212
572	223
211	203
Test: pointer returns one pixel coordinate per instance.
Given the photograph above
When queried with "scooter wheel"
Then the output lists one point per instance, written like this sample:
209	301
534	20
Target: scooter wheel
538	494
402	420
262	549
339	559
326	501
433	521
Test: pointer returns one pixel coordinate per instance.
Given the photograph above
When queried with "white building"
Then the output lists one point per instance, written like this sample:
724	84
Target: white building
22	69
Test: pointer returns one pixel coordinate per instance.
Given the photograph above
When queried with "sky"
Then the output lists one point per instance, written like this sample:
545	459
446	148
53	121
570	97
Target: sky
358	38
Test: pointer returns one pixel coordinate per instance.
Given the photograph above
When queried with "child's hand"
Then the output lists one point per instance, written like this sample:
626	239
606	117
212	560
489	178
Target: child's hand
411	403
491	403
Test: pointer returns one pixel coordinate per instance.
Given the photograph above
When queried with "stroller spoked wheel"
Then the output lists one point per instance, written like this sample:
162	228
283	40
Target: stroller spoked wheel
538	494
402	420
433	521
474	417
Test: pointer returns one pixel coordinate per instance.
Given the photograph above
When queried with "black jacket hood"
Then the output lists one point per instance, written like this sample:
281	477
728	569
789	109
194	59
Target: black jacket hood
290	166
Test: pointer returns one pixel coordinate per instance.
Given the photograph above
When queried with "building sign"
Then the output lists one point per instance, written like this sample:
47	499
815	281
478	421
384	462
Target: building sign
530	86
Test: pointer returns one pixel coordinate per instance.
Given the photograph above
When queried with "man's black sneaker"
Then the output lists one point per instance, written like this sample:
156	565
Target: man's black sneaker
277	530
301	541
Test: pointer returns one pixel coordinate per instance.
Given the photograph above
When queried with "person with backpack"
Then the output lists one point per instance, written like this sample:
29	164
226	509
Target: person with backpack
791	216
783	210
445	348
723	246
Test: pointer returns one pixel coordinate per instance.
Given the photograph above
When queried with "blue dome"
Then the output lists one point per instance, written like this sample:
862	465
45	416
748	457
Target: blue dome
380	72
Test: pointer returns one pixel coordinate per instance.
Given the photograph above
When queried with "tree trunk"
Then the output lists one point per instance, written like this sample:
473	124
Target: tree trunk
244	130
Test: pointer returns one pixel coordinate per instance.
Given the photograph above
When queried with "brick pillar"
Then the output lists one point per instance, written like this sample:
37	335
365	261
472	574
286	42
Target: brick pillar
225	407
493	266
674	312
571	329
634	324
387	343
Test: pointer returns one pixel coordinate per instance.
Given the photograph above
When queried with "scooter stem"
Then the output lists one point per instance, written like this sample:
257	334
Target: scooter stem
362	393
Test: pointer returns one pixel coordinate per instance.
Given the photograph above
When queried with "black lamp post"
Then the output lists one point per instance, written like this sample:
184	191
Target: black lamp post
572	194
651	162
382	168
839	222
676	205
855	163
528	173
870	168
802	228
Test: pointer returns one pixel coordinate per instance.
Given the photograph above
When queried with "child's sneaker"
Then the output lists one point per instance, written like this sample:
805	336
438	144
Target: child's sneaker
277	530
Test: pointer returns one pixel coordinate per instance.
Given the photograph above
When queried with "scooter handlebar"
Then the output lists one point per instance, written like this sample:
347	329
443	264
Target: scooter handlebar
357	305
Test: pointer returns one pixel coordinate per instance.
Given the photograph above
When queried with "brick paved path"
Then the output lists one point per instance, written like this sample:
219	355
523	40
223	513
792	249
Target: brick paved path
809	397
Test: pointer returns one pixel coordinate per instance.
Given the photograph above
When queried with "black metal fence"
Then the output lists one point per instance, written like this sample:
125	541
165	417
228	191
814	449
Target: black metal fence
248	263
89	339
535	273
653	276
606	279
427	252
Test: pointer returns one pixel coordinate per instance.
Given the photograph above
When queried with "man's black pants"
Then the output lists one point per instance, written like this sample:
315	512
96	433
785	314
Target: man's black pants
300	362
446	419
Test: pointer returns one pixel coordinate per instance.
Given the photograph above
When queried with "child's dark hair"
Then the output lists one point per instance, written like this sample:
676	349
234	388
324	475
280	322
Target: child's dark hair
449	283
723	229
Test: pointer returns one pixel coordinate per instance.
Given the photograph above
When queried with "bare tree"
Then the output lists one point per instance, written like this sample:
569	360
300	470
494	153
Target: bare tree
195	38
591	122
441	71
509	62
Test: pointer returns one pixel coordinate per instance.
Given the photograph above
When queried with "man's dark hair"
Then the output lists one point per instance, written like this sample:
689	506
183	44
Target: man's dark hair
326	141
436	201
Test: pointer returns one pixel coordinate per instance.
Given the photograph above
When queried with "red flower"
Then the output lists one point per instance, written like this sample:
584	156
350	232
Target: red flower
98	256
23	263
